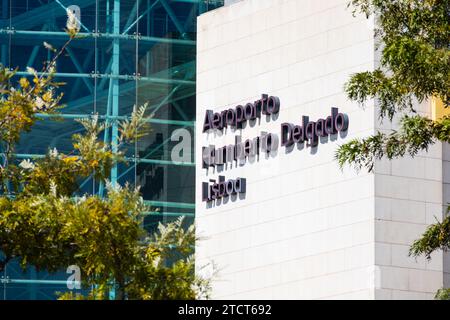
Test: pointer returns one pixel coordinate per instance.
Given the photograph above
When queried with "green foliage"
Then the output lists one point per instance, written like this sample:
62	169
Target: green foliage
443	294
415	58
167	265
20	104
156	267
136	127
416	133
415	64
389	93
414	40
30	227
422	20
44	224
96	156
437	236
106	233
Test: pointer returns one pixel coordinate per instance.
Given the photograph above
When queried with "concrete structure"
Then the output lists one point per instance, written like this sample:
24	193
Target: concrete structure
304	229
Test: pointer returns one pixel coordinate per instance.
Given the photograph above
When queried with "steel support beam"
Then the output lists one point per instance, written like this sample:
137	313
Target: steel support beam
115	87
179	205
80	69
174	18
4	46
35	51
76	86
35	17
115	76
106	138
152	161
59	35
133	16
127	29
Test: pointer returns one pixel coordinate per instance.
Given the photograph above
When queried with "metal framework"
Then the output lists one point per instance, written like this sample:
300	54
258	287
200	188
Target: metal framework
128	52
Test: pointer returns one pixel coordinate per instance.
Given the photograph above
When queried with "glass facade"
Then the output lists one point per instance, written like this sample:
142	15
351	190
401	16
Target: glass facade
129	52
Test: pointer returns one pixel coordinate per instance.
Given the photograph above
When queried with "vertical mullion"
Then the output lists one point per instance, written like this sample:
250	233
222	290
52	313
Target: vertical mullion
137	89
115	86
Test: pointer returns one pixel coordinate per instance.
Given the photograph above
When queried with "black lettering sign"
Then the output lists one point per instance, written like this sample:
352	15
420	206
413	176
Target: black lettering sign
308	131
223	188
236	117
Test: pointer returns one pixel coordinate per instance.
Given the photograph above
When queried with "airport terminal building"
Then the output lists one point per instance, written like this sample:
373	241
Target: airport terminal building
247	110
279	217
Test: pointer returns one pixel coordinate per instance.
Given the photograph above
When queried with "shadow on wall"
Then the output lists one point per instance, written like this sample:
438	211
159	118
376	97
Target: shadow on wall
225	200
228	2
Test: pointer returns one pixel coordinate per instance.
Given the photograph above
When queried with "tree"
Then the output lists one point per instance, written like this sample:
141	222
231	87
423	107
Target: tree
44	223
415	63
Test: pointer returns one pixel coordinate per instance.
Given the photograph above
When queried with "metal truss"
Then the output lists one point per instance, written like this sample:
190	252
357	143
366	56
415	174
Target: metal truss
128	52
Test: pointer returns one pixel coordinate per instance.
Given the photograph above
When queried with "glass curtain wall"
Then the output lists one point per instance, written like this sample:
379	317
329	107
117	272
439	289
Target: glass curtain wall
129	52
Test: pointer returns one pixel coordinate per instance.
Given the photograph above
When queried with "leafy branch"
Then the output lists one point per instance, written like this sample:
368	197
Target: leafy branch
416	134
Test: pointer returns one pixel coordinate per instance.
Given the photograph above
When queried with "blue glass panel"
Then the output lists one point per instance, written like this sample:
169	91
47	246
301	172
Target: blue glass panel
154	43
